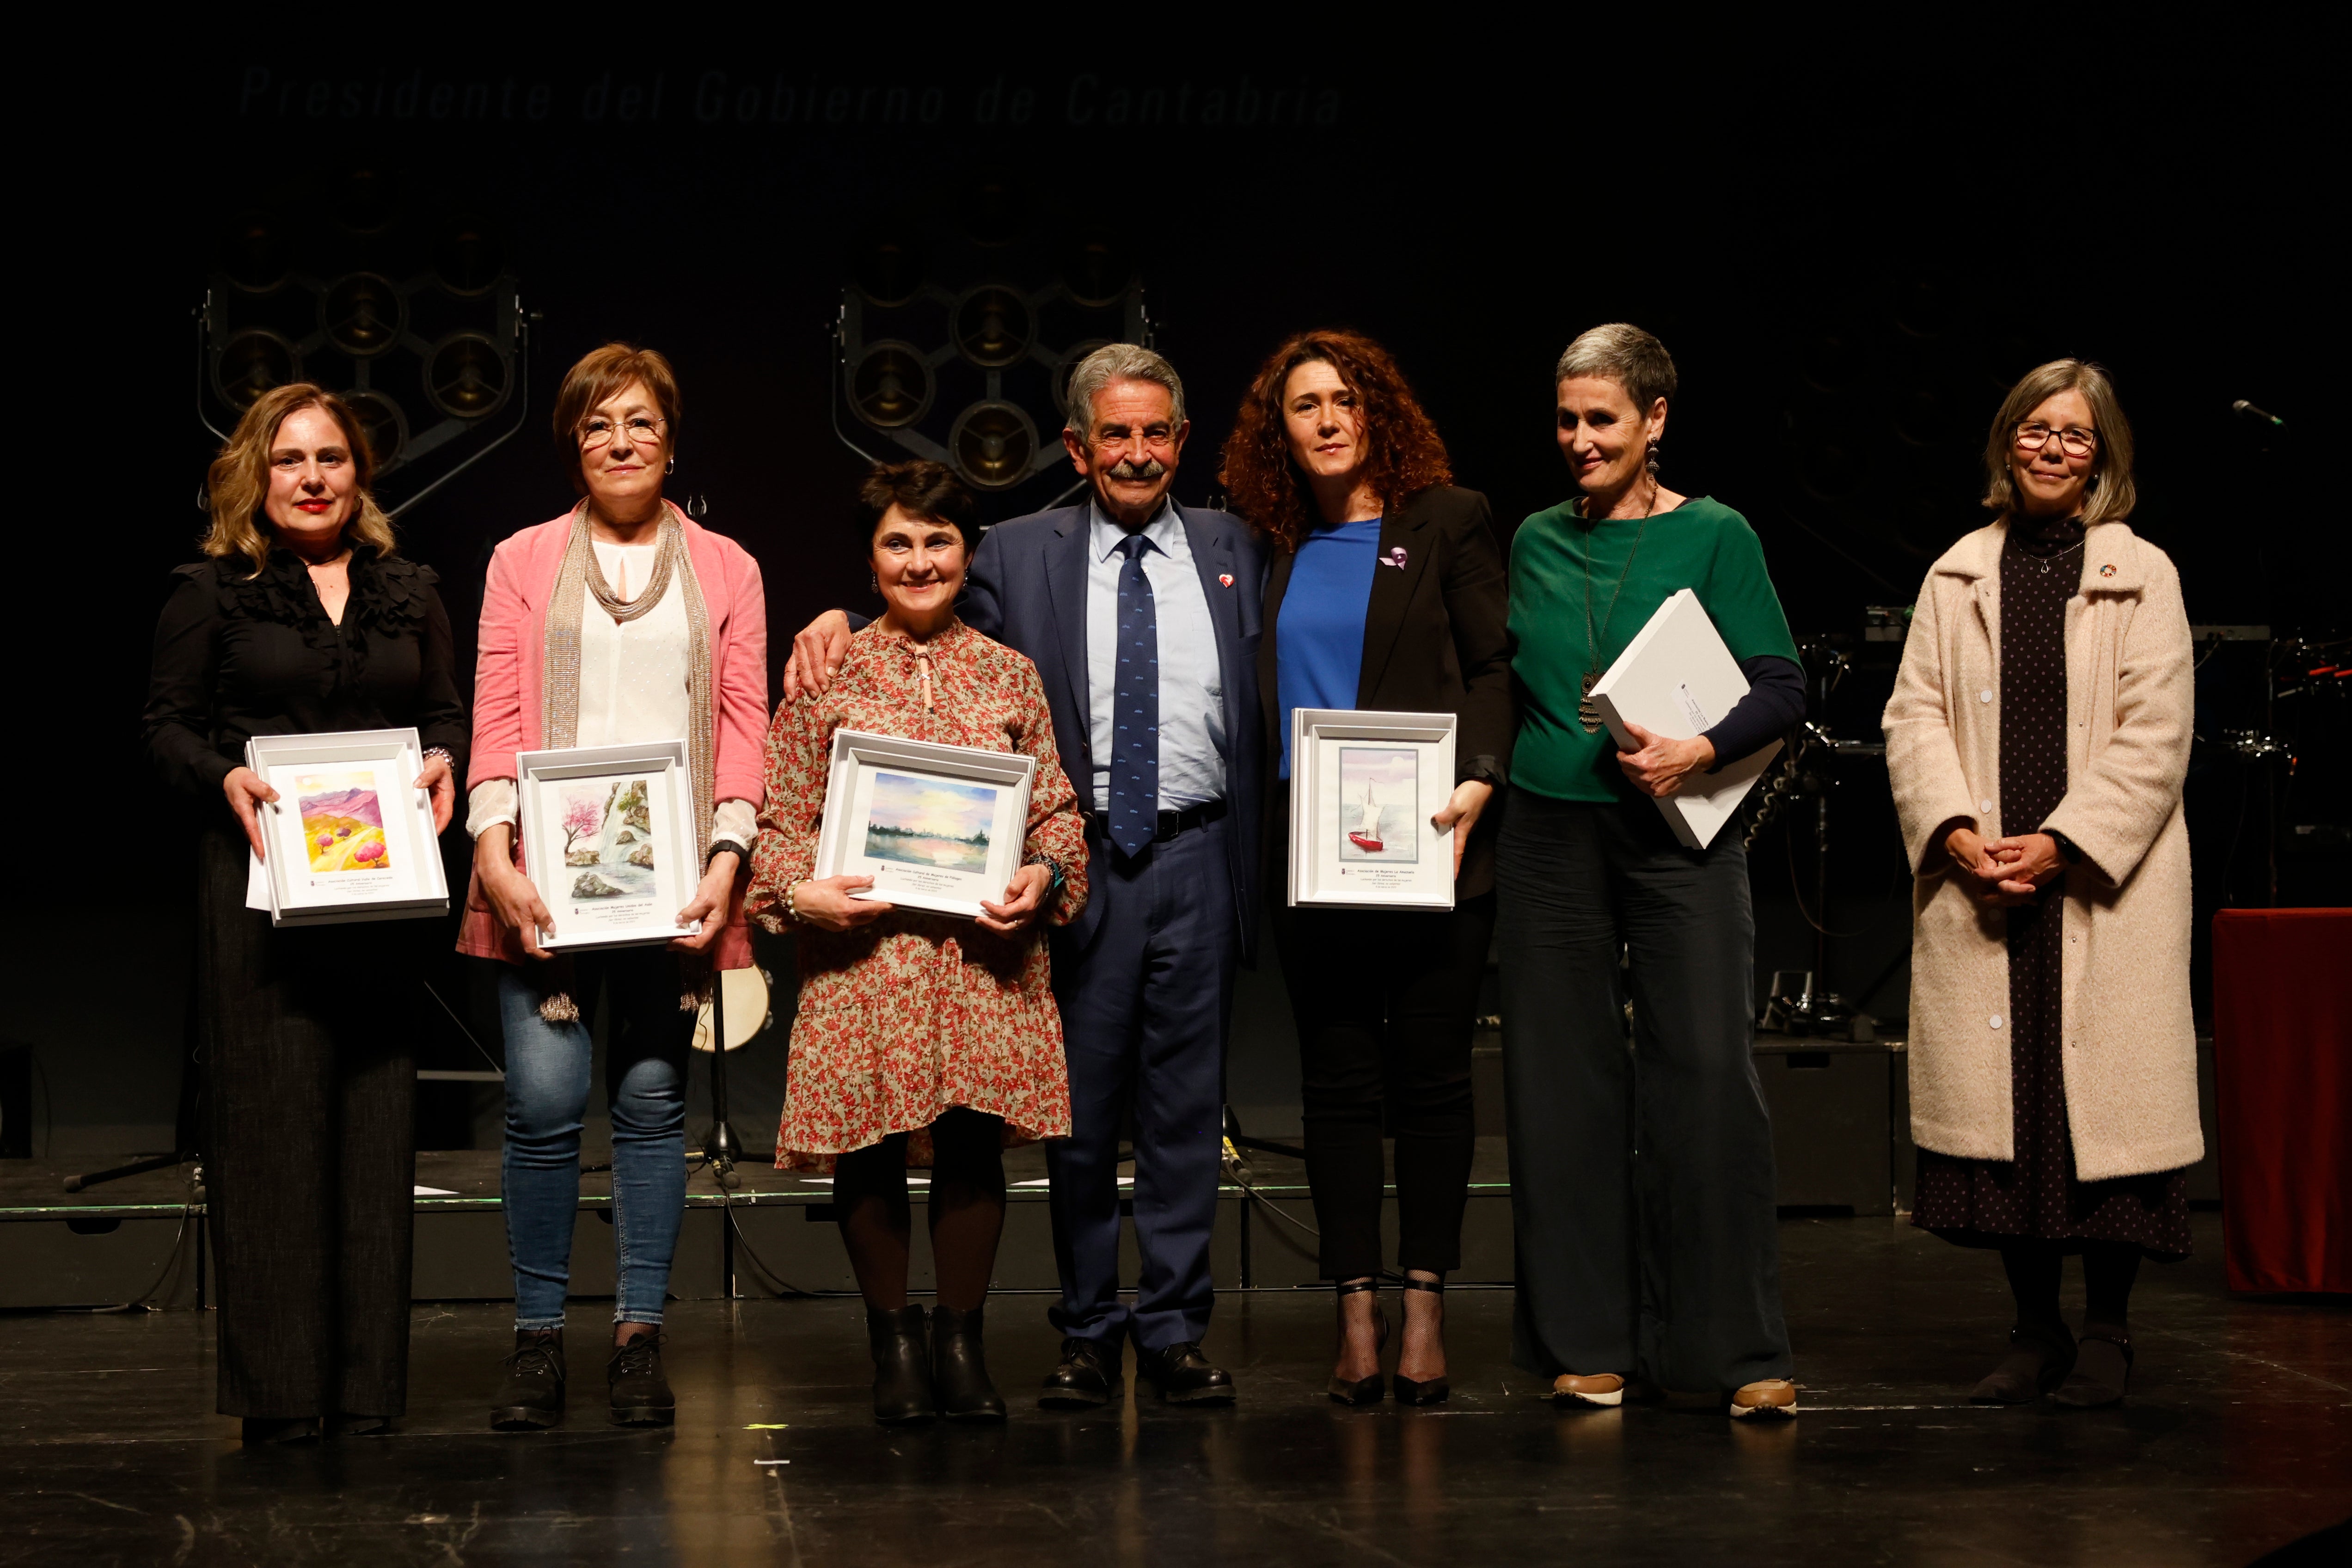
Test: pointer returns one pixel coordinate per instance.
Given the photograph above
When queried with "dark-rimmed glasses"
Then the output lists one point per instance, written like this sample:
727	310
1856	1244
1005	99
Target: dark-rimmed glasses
2076	442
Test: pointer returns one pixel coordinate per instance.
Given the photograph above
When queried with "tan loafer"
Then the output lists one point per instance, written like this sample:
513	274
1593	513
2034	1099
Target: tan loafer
1774	1396
1604	1389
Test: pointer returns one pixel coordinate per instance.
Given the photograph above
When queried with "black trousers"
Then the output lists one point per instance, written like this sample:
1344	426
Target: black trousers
1385	1001
311	1156
1642	1180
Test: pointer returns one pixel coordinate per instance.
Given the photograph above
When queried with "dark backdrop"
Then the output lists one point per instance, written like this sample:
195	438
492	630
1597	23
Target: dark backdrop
1851	256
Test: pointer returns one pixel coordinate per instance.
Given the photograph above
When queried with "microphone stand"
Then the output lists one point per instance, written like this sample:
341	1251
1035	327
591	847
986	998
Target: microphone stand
721	1148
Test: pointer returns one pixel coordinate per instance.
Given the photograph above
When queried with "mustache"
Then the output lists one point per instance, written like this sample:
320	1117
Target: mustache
1129	469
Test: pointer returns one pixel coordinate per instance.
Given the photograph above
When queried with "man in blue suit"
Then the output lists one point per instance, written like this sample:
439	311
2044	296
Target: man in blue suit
1142	619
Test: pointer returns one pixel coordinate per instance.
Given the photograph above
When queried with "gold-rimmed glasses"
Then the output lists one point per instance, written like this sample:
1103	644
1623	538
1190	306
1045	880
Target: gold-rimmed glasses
597	431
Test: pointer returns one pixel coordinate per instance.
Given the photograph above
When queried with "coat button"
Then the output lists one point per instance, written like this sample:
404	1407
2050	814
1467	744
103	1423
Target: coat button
1984	806
1986	695
1996	1020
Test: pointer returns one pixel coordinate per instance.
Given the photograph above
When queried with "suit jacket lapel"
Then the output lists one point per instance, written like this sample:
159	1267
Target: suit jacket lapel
1212	558
1392	591
1065	585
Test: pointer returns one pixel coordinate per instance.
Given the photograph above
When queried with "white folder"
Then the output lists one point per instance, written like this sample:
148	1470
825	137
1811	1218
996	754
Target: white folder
1677	678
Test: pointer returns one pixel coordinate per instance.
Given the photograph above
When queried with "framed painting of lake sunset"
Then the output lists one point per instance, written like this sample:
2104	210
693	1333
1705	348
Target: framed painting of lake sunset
938	827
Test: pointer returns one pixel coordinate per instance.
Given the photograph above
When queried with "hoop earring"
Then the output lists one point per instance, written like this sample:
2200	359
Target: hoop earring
670	466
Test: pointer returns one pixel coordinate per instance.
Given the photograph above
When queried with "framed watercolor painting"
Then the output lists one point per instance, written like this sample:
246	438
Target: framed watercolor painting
938	827
1363	786
348	838
608	841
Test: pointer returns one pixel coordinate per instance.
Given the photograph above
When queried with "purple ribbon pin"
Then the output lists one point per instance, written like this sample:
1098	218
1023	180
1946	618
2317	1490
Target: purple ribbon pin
1395	557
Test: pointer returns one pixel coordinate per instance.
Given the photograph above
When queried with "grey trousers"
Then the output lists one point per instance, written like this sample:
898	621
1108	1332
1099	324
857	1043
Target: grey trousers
309	1157
1641	1181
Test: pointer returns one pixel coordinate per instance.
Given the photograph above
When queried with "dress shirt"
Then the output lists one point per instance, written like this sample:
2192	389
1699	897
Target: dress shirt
1192	688
632	687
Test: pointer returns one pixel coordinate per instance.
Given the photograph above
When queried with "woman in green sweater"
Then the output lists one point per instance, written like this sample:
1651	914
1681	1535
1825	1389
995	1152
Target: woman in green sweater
1649	1257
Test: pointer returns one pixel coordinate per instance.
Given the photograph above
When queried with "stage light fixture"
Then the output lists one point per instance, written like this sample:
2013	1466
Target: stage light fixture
961	323
993	326
468	259
993	443
889	268
381	421
418	325
890	386
465	377
1067	367
250	363
362	315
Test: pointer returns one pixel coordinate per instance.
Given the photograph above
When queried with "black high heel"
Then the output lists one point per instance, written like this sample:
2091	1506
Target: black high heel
1437	1389
1364	1390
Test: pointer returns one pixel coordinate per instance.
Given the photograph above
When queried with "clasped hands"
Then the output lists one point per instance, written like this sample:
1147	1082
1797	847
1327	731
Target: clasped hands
2003	873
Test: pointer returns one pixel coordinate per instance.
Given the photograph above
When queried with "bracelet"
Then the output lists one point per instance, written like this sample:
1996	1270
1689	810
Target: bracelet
443	753
1052	889
792	910
727	847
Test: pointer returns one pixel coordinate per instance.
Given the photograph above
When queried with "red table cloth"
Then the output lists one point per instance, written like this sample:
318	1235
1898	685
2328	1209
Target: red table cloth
2283	1081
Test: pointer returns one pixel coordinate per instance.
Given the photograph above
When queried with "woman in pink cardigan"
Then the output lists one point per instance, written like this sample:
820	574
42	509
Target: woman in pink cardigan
620	621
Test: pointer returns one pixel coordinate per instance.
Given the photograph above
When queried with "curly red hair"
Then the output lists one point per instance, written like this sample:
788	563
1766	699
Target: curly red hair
1403	453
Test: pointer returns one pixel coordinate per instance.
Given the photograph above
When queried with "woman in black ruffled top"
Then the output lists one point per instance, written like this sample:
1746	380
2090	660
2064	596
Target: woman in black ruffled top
304	620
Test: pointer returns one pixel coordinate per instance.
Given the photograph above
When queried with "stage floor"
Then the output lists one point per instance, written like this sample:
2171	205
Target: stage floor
2237	1438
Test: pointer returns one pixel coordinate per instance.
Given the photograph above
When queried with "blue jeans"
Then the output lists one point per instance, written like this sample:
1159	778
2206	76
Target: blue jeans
547	1093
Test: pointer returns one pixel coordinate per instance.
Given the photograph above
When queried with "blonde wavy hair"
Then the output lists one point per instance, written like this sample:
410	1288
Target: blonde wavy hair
238	481
2111	495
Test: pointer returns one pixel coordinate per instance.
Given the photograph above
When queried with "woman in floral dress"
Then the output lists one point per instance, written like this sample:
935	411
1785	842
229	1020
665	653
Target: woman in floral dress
921	1039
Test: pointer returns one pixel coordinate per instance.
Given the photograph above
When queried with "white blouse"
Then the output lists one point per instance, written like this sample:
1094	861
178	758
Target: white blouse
632	687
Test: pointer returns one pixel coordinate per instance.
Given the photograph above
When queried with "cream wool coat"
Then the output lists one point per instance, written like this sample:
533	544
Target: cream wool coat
2130	1044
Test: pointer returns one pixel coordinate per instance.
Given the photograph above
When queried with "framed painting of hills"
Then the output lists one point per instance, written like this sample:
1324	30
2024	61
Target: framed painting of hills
348	836
608	841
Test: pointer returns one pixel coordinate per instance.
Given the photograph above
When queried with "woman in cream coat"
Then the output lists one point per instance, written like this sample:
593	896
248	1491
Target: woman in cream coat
2037	741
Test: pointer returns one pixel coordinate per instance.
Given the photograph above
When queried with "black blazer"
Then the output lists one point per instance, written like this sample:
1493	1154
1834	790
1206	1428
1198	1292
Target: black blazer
1436	640
1027	589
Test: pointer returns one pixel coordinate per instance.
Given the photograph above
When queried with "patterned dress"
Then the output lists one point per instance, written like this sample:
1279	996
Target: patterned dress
1997	1202
914	1014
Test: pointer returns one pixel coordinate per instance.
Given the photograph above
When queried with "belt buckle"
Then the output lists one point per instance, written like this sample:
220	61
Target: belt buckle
1169	826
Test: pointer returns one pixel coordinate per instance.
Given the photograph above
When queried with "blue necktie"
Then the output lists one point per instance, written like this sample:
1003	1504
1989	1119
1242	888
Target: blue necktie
1134	707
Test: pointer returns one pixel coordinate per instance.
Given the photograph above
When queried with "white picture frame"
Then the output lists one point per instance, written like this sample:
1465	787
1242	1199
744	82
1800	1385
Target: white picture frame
893	808
608	841
349	838
1363	787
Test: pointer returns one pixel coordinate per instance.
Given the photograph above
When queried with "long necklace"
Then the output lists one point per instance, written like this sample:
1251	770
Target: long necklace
669	539
1586	713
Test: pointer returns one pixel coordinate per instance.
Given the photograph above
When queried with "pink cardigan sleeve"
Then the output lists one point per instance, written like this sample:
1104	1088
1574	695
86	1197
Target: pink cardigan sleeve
742	683
498	673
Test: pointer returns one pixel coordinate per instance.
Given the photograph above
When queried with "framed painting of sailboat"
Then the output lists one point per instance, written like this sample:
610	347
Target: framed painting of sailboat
1363	787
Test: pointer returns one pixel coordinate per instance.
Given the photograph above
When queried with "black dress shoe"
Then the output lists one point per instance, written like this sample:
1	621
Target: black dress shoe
2103	1364
302	1429
1089	1377
1184	1375
349	1425
902	1366
532	1395
2040	1356
640	1393
959	1370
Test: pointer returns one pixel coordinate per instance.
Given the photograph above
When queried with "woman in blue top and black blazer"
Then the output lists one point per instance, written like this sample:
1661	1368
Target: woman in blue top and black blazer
1386	592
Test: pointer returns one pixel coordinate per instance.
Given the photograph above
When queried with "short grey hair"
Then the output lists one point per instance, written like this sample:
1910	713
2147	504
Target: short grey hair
1625	353
1120	362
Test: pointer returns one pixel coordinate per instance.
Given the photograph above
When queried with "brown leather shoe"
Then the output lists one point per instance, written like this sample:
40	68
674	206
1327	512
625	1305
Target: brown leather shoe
1774	1396
1605	1389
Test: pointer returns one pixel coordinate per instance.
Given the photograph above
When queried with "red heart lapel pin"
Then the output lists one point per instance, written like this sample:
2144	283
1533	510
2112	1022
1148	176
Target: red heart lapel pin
1226	578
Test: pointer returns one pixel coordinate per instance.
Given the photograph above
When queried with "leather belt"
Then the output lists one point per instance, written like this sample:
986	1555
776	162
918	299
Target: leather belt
1172	823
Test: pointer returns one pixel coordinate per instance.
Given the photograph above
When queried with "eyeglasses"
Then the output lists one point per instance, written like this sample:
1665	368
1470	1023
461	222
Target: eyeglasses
2033	436
595	433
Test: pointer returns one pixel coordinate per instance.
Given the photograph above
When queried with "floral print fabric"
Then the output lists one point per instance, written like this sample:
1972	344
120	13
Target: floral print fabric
914	1014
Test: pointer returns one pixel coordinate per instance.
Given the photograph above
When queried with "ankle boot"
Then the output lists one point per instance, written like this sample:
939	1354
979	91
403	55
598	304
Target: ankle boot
902	1366
959	1370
